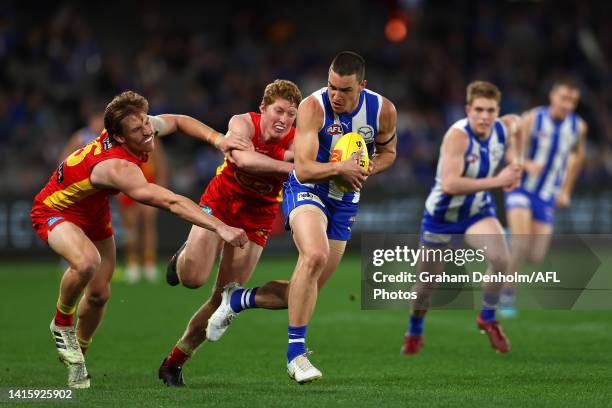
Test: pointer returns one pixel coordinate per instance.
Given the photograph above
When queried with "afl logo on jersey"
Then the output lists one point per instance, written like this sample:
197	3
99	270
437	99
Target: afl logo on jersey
471	158
367	132
334	129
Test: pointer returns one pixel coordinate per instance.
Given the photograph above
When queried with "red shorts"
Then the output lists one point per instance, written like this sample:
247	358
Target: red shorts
254	218
44	219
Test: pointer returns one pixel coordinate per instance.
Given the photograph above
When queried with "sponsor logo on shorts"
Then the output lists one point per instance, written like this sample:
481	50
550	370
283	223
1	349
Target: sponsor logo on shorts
53	220
206	209
334	129
306	196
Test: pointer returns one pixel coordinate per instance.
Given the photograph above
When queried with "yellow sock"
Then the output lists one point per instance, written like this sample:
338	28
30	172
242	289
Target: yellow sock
67	310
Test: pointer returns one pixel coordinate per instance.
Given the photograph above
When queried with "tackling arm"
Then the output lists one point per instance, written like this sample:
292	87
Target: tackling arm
128	178
167	123
252	161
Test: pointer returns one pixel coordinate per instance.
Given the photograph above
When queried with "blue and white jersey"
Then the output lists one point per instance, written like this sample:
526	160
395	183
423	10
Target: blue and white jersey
363	120
481	160
551	142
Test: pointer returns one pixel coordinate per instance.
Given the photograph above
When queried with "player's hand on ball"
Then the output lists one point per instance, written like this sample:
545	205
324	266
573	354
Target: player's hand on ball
234	236
352	172
235	141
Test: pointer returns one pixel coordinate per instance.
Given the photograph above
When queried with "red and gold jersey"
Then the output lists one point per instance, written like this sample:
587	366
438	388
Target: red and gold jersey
69	189
255	187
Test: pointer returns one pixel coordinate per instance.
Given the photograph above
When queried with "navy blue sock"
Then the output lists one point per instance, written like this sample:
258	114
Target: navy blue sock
297	341
489	302
243	299
415	327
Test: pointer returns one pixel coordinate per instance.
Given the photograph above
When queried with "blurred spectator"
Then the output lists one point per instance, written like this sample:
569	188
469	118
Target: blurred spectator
211	62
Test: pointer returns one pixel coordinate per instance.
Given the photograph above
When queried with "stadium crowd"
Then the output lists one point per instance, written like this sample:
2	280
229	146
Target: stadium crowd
63	60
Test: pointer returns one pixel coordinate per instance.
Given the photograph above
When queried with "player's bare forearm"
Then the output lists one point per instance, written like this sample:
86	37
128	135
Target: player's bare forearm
186	209
466	185
312	171
196	129
382	161
257	163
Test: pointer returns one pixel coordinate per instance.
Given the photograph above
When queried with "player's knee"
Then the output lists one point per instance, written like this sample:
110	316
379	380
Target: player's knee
190	275
192	280
315	260
88	265
499	261
99	298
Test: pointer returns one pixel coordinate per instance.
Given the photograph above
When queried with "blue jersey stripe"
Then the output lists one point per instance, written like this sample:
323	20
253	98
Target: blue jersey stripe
550	159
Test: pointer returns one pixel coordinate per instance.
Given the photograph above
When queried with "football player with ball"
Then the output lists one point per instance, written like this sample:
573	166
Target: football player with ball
321	198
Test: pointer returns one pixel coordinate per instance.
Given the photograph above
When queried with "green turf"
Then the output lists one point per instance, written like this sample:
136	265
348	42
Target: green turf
558	358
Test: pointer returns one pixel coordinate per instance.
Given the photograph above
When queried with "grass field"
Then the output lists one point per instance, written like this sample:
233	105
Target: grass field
558	358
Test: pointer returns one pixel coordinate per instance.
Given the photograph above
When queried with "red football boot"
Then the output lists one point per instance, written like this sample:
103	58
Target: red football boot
412	345
498	339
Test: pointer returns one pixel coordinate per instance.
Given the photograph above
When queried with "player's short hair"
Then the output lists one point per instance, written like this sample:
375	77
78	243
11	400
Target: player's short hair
282	88
567	82
482	89
122	106
349	63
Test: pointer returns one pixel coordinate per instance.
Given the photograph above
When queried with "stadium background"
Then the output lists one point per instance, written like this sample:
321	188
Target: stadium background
61	59
211	60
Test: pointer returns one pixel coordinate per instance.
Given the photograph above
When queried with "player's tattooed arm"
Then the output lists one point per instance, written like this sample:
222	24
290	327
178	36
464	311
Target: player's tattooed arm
386	140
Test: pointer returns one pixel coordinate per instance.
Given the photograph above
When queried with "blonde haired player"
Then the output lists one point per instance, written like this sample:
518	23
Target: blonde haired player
71	213
319	213
244	194
459	202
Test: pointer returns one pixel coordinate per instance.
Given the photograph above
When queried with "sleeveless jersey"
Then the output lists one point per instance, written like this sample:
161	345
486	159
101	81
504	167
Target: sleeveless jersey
69	189
256	188
363	120
551	142
481	159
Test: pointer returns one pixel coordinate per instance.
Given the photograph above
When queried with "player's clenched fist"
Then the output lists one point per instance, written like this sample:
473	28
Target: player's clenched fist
233	236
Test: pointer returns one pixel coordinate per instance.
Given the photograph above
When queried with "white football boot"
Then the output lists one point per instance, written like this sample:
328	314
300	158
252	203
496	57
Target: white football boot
223	316
301	369
70	354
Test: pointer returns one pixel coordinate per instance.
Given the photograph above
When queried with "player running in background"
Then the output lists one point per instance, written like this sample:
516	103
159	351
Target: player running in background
71	213
459	203
556	141
245	194
319	214
139	223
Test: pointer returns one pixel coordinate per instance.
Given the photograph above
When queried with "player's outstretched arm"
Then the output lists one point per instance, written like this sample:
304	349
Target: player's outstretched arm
574	165
386	140
128	178
169	123
250	160
454	145
306	146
